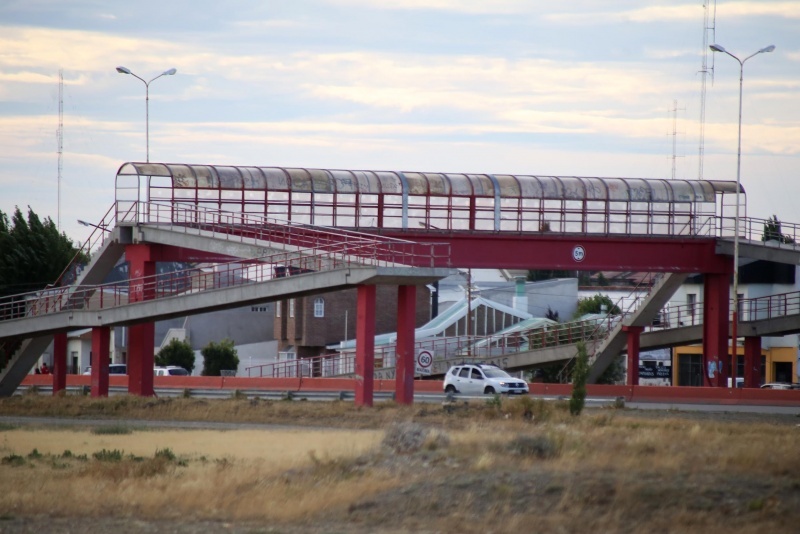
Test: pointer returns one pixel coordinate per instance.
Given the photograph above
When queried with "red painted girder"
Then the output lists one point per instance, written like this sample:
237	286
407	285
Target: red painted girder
559	251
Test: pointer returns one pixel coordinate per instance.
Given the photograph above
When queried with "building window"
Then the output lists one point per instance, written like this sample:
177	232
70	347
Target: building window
319	307
291	307
691	301
262	308
278	309
690	369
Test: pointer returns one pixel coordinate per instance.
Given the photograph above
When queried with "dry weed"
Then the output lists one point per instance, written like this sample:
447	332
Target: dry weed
520	466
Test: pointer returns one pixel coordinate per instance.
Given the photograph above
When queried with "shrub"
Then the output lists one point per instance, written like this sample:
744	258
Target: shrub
537	446
177	352
112	430
108	456
14	460
579	376
404	438
218	357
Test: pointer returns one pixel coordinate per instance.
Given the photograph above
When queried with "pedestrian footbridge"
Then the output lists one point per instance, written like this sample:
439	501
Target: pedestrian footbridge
265	233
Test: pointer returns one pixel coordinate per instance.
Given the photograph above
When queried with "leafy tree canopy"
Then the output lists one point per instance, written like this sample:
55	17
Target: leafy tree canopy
595	305
177	352
34	253
773	231
219	357
580	373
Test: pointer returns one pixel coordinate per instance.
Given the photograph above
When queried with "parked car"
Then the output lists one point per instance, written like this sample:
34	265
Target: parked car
170	370
778	385
113	369
477	379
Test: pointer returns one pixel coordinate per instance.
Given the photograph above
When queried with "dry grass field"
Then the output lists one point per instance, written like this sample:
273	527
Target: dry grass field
503	465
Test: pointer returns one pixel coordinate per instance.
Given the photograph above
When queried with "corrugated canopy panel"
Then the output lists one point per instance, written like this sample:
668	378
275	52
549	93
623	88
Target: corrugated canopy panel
226	177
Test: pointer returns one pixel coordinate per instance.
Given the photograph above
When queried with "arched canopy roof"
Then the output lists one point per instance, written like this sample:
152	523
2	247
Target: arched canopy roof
302	180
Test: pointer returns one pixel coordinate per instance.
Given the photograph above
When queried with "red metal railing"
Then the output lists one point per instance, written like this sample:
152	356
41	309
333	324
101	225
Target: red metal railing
444	348
224	275
253	228
752	309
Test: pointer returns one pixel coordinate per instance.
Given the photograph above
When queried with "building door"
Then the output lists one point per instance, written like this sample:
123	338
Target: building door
782	371
690	369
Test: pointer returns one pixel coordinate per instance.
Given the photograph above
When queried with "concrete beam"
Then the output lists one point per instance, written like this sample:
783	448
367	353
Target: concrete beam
787	253
220	299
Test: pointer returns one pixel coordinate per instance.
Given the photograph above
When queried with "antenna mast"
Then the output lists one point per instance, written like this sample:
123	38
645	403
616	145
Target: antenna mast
703	72
674	112
60	137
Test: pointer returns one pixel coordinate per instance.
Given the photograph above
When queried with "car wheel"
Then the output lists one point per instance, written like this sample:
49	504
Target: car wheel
450	389
489	390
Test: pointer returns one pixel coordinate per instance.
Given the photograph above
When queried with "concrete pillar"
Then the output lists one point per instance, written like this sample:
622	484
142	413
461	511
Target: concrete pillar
716	322
633	333
752	362
141	338
405	351
59	362
101	336
365	345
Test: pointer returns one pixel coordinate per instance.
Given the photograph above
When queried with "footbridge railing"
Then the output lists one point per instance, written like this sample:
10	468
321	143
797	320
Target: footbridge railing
223	275
445	348
254	227
751	309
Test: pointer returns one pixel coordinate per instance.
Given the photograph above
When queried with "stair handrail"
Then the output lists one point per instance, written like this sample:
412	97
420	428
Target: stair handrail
201	217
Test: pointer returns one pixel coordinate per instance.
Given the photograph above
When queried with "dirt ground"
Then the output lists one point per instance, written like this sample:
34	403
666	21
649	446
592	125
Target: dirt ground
519	470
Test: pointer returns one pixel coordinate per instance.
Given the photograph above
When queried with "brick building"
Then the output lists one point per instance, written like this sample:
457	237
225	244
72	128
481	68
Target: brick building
304	326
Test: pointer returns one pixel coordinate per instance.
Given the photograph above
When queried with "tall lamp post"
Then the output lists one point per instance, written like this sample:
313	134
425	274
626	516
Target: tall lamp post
735	312
170	72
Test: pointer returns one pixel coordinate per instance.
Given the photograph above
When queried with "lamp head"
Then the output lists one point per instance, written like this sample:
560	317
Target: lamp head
769	48
172	71
717	48
123	70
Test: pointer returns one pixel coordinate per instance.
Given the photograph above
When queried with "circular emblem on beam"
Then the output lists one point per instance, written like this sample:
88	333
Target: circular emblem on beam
578	253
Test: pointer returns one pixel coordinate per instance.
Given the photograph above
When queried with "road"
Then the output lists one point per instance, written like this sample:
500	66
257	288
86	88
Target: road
439	398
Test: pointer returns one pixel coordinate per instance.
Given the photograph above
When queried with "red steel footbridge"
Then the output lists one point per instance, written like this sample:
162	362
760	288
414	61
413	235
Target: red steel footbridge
272	233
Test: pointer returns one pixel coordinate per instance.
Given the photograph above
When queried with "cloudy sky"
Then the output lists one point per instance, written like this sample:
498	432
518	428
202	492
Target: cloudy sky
579	88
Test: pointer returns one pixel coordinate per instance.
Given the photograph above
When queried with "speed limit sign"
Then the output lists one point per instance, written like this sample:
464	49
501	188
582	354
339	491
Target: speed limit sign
424	362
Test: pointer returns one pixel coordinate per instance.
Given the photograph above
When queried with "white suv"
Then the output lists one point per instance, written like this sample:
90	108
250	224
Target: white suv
113	369
482	378
170	370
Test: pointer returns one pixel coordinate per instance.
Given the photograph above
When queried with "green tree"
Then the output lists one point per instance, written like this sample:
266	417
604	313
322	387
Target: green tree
595	305
34	253
177	352
773	231
219	357
579	375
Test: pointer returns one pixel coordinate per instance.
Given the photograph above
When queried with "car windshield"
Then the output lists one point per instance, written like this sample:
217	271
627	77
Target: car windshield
495	373
180	372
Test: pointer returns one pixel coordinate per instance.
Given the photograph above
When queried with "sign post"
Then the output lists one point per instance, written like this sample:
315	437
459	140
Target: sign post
424	363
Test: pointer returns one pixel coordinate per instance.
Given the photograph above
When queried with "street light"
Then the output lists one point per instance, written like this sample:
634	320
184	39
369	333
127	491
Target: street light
735	313
170	72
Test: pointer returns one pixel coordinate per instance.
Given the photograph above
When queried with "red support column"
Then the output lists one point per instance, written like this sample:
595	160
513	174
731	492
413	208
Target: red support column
752	362
633	333
101	336
715	329
141	338
59	362
365	345
405	353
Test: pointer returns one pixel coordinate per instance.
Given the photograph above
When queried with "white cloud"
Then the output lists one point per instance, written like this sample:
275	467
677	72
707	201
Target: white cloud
475	7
